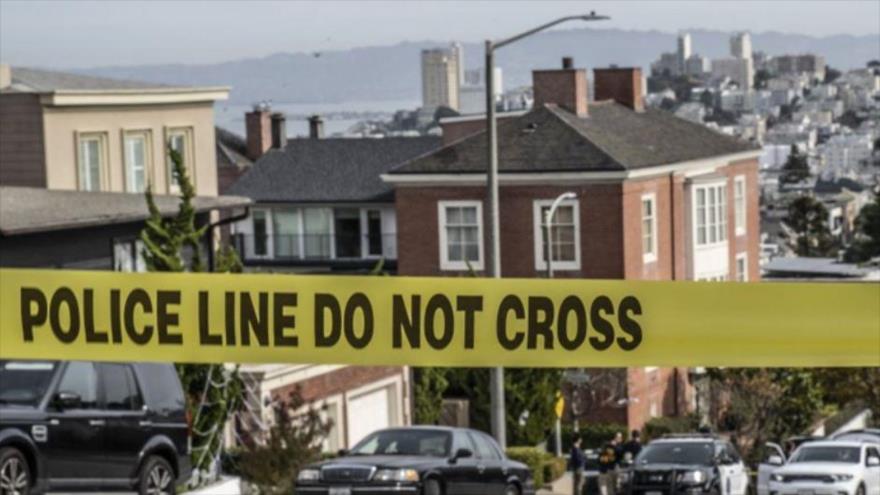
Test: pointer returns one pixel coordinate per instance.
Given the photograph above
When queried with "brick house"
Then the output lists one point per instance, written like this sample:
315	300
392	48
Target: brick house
657	198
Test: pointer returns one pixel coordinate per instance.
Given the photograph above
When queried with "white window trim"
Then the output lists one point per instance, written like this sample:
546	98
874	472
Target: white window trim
103	169
740	229
745	258
188	159
538	236
268	218
147	135
650	257
695	222
445	263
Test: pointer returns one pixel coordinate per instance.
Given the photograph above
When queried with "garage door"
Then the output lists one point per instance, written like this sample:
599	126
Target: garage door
368	413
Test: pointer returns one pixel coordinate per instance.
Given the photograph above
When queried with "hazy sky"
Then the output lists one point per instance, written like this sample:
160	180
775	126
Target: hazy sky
87	34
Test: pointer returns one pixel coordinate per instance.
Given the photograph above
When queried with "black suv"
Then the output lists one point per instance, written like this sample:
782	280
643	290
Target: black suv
419	460
91	426
687	465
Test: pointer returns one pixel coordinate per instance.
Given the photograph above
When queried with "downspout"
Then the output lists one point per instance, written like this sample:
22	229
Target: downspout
210	233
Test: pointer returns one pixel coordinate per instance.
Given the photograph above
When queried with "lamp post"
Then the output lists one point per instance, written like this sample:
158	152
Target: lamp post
548	221
494	266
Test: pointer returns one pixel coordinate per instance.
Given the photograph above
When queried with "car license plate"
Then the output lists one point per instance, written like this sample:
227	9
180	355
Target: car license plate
653	493
340	491
805	492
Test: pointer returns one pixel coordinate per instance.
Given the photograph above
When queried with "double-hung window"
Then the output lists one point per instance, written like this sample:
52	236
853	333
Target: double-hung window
461	235
739	204
710	210
91	157
742	268
136	159
649	228
565	235
180	140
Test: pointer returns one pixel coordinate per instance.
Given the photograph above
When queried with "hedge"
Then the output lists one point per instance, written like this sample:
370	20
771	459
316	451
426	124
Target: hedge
657	427
544	466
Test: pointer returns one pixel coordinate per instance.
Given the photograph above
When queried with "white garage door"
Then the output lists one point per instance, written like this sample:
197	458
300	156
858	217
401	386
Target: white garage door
368	413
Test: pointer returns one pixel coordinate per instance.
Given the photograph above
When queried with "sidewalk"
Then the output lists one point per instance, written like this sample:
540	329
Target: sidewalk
562	486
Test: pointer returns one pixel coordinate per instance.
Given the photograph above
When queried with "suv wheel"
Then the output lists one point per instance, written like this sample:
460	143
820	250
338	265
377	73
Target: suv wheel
15	476
511	490
432	487
157	477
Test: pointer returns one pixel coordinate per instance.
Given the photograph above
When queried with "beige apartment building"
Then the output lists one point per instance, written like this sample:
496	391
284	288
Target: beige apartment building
441	77
65	131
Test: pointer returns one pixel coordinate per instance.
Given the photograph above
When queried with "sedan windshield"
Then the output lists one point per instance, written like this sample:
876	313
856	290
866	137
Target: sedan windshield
24	382
692	453
433	443
848	455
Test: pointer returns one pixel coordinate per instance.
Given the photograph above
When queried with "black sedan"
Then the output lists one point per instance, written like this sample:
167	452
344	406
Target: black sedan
424	460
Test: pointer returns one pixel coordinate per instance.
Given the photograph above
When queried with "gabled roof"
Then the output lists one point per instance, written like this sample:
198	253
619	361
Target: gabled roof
612	138
47	81
329	170
231	149
837	186
26	210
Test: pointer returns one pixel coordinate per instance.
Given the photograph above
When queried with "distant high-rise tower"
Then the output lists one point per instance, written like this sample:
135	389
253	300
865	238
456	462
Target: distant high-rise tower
684	51
458	52
441	77
741	45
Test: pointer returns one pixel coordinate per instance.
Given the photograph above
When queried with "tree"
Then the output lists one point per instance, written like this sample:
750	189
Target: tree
808	219
831	74
707	99
429	386
294	440
174	244
761	78
766	404
842	386
850	119
796	168
867	241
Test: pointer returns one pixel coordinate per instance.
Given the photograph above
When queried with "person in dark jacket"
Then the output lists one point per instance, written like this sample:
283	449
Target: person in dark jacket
609	458
632	448
577	462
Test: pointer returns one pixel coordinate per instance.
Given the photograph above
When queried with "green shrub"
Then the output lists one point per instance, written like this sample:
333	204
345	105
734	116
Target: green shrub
532	457
554	468
657	427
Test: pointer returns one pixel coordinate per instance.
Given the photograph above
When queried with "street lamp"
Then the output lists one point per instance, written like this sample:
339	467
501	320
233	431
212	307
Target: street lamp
497	387
548	221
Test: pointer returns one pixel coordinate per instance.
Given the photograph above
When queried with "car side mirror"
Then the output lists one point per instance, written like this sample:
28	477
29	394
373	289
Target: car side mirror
775	460
873	461
461	454
67	400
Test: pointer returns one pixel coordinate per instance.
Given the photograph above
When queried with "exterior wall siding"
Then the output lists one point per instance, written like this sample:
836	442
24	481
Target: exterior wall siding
22	154
63	123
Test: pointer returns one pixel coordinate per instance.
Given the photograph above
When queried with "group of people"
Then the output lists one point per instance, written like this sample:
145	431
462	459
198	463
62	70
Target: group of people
611	456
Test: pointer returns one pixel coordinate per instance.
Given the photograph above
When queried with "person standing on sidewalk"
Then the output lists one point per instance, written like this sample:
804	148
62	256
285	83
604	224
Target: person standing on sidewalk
609	458
577	462
632	448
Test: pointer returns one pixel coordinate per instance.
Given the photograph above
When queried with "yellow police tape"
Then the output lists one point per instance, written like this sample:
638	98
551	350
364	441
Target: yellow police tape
261	318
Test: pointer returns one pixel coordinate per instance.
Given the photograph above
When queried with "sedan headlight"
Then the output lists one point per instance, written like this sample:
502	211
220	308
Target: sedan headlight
842	477
777	478
692	477
396	475
308	475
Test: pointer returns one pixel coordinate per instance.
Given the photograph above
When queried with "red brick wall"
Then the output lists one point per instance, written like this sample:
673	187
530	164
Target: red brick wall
601	232
751	241
258	133
636	268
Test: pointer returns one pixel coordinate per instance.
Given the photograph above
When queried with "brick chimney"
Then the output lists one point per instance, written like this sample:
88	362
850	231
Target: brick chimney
316	127
566	87
258	127
621	84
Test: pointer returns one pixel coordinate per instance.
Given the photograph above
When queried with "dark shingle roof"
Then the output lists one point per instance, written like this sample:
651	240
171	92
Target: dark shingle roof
25	210
46	81
329	170
611	138
231	149
837	186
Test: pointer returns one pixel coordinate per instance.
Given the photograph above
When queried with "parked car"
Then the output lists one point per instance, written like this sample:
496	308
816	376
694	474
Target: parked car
424	460
838	467
687	464
870	435
81	425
